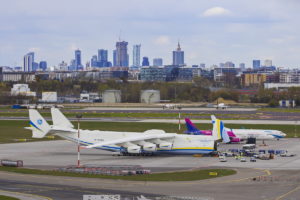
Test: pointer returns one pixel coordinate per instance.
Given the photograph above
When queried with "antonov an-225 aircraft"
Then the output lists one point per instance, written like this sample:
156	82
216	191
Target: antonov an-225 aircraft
148	142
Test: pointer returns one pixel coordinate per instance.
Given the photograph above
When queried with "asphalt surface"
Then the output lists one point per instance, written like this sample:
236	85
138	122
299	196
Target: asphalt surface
247	184
176	121
265	179
50	154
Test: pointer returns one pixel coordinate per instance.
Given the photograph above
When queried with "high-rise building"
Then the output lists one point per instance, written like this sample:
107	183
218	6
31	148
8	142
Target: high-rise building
94	61
178	56
103	58
268	63
121	54
78	59
29	62
102	55
136	55
202	65
229	64
114	57
157	62
242	66
43	65
256	64
145	61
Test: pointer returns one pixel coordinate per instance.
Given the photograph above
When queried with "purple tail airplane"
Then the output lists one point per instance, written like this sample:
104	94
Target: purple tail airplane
192	130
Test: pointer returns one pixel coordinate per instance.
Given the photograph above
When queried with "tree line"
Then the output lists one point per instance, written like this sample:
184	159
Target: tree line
197	91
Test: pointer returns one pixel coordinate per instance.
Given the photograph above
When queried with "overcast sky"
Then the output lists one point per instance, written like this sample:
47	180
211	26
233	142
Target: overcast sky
210	31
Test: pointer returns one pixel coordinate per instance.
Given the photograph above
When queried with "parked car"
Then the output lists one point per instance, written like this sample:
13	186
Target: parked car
243	159
252	159
222	159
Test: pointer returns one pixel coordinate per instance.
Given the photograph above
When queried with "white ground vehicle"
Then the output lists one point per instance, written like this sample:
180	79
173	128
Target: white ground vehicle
222	159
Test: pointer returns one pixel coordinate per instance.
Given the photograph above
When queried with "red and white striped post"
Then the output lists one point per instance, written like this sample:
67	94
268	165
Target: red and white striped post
78	139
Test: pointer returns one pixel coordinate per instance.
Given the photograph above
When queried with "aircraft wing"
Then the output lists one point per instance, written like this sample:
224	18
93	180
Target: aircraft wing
132	139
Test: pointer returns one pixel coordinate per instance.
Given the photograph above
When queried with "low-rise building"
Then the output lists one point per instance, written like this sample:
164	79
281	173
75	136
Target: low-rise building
153	73
279	86
253	79
22	90
17	76
290	77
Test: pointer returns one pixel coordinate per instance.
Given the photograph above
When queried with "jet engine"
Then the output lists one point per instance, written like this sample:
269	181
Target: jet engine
165	145
134	149
149	147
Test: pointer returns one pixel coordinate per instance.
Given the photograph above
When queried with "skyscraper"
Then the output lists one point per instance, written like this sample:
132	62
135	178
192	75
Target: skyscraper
103	58
28	62
102	55
178	56
78	59
43	65
136	55
114	57
121	54
145	61
256	64
157	62
94	61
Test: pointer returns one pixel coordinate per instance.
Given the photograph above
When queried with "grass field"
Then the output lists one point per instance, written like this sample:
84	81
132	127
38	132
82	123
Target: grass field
171	176
7	198
12	130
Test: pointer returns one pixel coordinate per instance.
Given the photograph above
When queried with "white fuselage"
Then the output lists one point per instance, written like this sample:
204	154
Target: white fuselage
258	134
181	144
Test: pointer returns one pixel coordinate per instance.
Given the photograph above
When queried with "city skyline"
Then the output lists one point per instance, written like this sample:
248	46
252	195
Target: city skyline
210	32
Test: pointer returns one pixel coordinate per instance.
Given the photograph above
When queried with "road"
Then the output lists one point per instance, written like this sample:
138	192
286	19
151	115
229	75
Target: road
116	119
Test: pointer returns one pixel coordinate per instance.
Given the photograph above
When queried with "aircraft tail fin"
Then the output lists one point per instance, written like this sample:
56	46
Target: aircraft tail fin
38	124
191	128
213	118
59	119
219	131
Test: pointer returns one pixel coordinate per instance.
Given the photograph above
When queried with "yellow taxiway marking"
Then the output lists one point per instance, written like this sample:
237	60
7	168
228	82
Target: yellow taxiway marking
288	193
25	194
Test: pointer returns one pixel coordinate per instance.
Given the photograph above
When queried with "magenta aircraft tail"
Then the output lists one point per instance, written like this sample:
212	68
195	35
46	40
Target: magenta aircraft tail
191	128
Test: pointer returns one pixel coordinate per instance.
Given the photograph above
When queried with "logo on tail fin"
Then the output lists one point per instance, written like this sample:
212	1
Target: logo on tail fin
39	121
190	126
35	126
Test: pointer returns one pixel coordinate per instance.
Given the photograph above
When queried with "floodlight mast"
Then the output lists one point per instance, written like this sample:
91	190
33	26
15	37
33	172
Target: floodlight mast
78	116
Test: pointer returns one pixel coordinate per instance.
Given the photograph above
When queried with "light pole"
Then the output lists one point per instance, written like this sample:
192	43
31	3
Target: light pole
179	117
295	129
78	116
